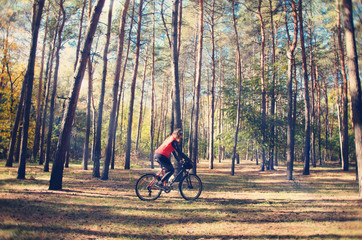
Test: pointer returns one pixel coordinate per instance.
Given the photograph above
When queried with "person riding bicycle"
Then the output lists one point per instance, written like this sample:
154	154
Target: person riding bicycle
163	153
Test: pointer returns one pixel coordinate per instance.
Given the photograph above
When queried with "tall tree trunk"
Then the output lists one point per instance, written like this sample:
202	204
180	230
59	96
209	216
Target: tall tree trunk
139	126
89	103
28	79
48	155
193	95
239	90
175	70
121	95
48	73
88	116
98	139
306	94
211	138
319	126
272	105
326	120
290	55
263	86
313	88
112	117
176	100
133	88
80	33
16	128
56	179
39	108
344	146
354	84
152	121
195	125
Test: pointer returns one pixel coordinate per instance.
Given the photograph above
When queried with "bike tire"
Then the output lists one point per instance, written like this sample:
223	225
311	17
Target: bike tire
145	188
190	187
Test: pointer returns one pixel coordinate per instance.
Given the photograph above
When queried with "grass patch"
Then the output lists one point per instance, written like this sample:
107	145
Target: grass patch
249	205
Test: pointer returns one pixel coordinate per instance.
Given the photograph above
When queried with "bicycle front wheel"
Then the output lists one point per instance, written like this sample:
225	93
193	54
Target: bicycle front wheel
190	187
146	189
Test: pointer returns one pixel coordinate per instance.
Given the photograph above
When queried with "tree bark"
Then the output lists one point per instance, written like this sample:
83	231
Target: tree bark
239	90
48	155
290	55
88	116
98	139
127	164
152	120
140	118
39	108
175	70
56	178
354	84
344	129
272	105
111	127
28	79
306	94
48	73
195	125
211	138
263	86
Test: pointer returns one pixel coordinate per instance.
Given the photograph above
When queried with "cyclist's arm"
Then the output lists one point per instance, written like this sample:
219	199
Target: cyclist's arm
177	148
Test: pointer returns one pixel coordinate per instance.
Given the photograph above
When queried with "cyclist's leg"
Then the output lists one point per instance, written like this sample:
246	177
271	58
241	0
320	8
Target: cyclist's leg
165	163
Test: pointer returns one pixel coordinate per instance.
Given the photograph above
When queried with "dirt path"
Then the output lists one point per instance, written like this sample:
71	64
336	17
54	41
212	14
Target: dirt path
249	205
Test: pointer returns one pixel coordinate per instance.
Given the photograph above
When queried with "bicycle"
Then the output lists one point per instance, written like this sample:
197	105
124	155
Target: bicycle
190	185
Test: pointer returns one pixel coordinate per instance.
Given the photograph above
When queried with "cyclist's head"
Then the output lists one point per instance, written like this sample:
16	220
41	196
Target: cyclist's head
178	133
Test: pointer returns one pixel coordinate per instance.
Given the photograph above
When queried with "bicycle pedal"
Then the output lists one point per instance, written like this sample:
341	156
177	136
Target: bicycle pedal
167	189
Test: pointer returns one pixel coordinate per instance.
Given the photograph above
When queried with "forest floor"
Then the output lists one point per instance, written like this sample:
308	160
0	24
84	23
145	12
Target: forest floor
249	205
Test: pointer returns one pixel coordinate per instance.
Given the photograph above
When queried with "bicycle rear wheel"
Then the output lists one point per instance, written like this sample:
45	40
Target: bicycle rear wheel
146	189
190	187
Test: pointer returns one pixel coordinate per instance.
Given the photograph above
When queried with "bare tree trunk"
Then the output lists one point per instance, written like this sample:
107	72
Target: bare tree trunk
290	55
326	120
97	141
16	128
313	88
56	178
344	146
211	138
175	70
28	79
88	116
306	95
120	94
221	155
338	97
139	127
133	88
263	86
89	103
239	90
152	121
48	155
80	33
194	139
48	73
112	117
39	108
272	105
354	84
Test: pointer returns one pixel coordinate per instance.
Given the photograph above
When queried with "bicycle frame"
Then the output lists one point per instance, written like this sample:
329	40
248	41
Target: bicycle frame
161	173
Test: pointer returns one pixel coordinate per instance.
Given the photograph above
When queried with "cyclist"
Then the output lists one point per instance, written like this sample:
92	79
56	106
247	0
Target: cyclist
163	154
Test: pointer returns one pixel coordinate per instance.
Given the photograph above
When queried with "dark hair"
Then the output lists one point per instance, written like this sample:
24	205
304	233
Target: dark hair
177	131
